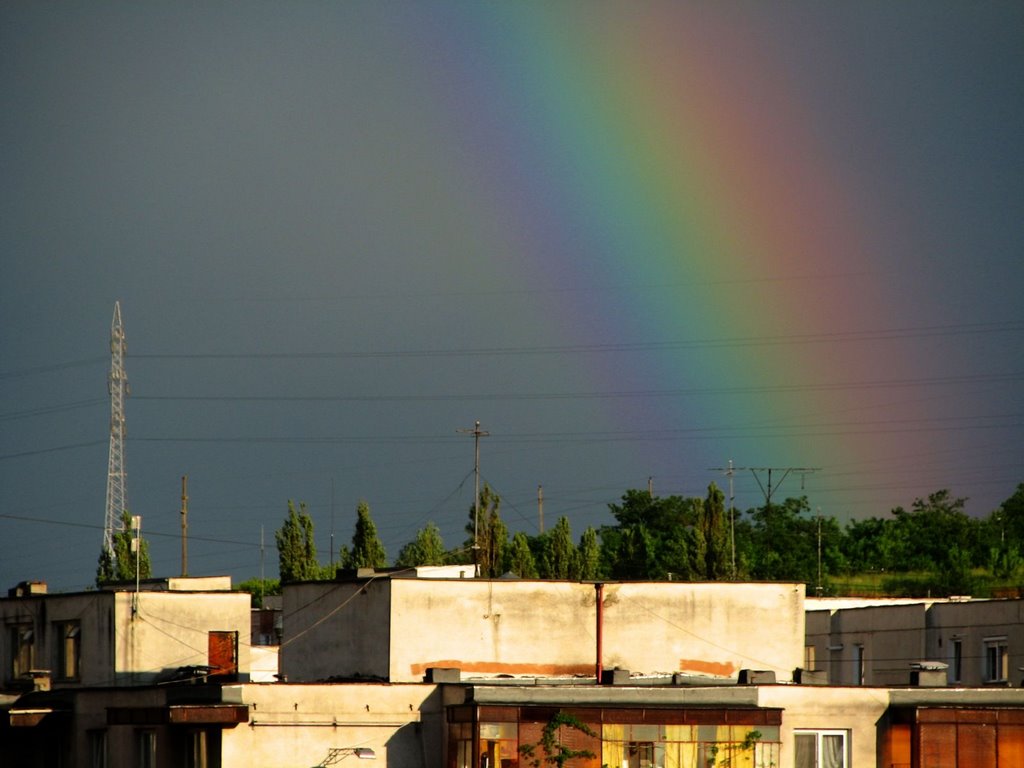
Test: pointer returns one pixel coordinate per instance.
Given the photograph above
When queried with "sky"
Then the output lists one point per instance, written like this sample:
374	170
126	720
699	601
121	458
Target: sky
635	241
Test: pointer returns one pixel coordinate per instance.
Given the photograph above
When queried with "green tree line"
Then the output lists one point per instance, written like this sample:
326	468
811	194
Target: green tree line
933	547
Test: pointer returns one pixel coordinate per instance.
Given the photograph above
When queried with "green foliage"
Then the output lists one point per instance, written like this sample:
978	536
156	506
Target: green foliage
559	557
520	557
555	752
119	565
259	588
491	534
296	551
654	537
426	549
711	553
588	556
367	550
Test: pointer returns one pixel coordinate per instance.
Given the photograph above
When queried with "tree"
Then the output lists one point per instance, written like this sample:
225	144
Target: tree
556	751
520	557
559	553
296	551
653	539
259	588
491	534
712	558
367	550
426	549
589	555
119	565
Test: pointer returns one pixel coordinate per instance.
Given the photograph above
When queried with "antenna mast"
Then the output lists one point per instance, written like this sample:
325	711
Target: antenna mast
117	384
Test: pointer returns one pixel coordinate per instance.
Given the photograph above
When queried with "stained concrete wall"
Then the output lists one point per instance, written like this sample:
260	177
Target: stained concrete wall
95	614
171	630
295	725
398	628
336	630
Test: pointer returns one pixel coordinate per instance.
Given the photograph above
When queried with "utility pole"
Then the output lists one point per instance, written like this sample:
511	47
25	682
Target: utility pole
786	471
477	434
540	508
184	525
818	588
729	472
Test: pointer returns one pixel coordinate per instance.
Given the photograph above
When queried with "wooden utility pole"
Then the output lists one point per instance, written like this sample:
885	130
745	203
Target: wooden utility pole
184	525
540	507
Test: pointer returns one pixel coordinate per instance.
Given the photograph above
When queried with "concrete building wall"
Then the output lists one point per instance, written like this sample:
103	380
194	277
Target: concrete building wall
709	628
817	638
295	725
978	626
398	628
876	646
337	630
171	630
854	711
94	615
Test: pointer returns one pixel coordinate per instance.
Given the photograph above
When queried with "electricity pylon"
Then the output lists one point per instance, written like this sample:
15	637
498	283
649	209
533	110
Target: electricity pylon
117	384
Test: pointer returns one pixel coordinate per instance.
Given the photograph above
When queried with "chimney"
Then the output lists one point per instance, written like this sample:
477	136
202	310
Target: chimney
928	674
27	588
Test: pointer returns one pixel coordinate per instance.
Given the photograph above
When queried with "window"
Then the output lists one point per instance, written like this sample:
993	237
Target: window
23	650
997	660
821	749
97	749
146	749
858	665
198	750
956	661
499	747
68	649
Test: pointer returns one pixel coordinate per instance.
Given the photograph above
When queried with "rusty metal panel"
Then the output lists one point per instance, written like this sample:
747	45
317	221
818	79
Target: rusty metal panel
1010	746
976	745
208	715
223	652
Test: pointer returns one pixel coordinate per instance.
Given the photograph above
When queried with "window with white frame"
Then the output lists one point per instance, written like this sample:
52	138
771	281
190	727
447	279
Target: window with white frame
997	660
821	748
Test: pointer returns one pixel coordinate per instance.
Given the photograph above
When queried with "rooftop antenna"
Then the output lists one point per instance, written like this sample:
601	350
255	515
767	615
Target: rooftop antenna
184	525
117	385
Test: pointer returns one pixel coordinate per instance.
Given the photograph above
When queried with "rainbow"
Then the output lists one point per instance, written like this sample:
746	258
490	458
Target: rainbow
668	156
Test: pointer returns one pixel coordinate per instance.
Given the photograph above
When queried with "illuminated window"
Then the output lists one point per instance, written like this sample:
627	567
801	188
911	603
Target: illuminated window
23	650
69	649
821	749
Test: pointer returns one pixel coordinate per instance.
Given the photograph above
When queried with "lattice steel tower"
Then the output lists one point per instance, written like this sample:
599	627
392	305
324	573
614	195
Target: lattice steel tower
117	499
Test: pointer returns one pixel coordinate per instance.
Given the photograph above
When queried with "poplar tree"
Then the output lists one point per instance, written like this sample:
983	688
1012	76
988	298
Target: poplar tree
296	550
520	558
589	555
367	550
491	534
